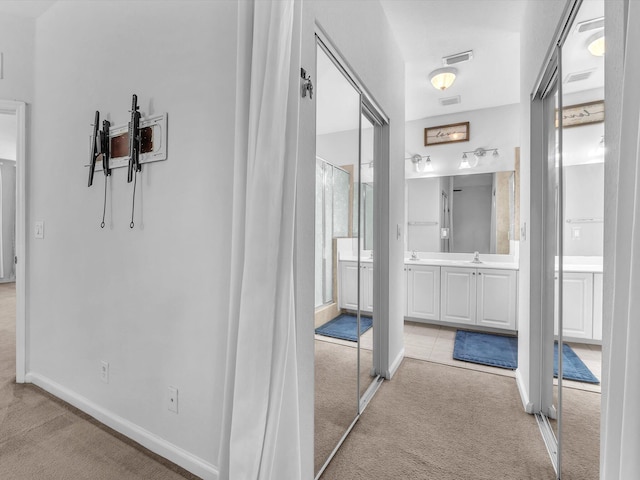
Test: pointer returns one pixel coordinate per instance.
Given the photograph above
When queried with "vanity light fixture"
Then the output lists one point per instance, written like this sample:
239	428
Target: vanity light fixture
478	153
595	44
443	78
421	164
601	150
464	164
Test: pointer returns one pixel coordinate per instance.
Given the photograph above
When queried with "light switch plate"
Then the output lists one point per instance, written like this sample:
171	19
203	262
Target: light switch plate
39	229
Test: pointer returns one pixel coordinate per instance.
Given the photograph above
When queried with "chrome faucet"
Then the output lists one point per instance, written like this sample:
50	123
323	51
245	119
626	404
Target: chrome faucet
414	255
476	257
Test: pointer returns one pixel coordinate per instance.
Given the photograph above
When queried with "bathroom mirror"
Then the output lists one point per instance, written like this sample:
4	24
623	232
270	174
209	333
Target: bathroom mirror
462	213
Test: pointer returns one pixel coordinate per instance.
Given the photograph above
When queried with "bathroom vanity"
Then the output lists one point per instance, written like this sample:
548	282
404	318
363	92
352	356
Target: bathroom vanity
462	293
582	292
479	296
456	292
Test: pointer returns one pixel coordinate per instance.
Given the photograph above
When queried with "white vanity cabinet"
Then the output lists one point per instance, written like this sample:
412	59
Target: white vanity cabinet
348	286
479	296
577	311
458	295
366	295
597	306
496	297
423	292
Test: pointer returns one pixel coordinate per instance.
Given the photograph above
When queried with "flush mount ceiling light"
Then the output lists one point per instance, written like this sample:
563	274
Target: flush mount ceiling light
443	78
421	164
595	44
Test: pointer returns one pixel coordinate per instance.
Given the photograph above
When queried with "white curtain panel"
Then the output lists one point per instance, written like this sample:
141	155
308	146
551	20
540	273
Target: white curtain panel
261	435
621	425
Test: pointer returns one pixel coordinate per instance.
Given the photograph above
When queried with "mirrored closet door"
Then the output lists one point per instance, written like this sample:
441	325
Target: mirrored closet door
581	214
347	130
571	104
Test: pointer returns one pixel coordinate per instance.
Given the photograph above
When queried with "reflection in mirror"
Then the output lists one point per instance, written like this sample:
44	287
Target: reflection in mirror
336	359
582	226
462	213
367	185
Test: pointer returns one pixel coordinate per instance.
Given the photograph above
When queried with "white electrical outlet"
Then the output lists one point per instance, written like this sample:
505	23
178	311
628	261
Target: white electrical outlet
575	233
104	371
172	399
38	230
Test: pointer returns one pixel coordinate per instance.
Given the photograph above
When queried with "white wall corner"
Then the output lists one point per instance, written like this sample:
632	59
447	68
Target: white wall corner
393	368
136	433
524	394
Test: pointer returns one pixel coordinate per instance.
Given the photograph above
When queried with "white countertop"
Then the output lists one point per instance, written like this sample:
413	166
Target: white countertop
442	263
581	268
462	263
580	265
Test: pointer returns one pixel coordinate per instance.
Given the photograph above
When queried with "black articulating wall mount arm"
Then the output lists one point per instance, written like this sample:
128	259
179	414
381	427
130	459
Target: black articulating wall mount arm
106	147
134	140
93	156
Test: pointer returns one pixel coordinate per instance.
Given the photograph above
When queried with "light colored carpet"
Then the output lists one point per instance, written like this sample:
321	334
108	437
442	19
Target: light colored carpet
430	422
440	422
336	399
44	438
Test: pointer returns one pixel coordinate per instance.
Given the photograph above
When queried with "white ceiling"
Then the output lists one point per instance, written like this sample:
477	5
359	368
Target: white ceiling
427	30
25	8
575	56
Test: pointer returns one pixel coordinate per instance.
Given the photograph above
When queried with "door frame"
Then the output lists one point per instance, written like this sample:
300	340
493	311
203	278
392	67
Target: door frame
19	109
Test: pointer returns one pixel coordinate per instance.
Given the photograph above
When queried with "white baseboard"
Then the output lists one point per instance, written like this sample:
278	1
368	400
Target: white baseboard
524	394
394	365
138	434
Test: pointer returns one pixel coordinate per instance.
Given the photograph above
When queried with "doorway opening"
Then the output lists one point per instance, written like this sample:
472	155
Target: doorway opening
12	221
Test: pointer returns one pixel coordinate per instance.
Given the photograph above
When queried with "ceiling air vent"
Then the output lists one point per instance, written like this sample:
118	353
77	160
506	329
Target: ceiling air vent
578	76
457	58
589	25
449	100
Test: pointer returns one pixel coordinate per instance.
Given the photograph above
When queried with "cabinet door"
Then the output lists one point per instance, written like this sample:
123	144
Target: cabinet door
458	295
423	292
577	305
406	291
597	306
497	298
348	287
366	277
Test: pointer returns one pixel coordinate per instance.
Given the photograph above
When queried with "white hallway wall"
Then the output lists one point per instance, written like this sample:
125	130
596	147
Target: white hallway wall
152	301
17	37
495	127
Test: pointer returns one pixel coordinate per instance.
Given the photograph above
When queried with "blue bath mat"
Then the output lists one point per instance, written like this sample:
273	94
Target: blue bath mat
502	351
572	367
345	327
486	349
